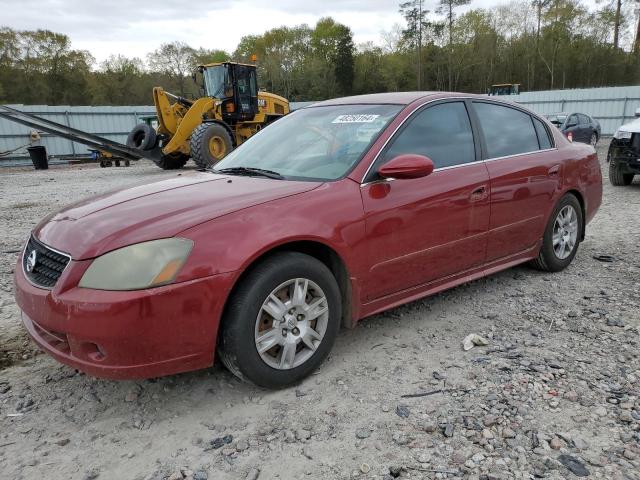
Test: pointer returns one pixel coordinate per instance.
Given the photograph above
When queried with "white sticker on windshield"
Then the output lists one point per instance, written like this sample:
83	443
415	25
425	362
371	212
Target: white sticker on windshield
362	118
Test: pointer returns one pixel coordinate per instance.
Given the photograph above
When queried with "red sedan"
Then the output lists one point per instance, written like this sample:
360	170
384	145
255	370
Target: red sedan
333	213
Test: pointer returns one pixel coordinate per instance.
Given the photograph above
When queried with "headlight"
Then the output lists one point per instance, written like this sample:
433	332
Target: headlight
139	266
620	134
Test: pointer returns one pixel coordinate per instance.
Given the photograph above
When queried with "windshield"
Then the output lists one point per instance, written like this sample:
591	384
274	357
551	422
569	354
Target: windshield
215	79
321	143
556	119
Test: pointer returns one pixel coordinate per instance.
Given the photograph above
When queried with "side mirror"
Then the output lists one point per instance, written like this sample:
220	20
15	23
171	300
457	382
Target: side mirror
407	166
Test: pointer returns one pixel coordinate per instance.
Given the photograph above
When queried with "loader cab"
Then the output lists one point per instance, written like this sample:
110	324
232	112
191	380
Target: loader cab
504	89
236	86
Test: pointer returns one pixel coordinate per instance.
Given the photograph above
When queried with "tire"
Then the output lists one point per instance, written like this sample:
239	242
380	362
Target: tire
593	140
210	143
142	137
548	259
245	318
616	177
172	162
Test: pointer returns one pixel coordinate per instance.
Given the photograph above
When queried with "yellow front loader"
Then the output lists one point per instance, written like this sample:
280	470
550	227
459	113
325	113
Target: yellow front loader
210	127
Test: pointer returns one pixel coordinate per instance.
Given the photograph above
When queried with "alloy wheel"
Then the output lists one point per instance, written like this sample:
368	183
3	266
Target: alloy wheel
565	232
291	323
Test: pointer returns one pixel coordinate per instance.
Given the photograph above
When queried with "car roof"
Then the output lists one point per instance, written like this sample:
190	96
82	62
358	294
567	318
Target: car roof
394	98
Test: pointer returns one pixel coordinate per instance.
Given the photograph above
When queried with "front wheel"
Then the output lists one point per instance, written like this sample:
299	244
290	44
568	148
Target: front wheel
172	161
562	236
282	320
210	143
616	175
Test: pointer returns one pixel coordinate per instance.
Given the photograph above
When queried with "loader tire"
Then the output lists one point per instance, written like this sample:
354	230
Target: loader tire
142	137
172	162
210	143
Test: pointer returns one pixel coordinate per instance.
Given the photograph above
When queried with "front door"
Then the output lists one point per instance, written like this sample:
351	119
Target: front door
425	229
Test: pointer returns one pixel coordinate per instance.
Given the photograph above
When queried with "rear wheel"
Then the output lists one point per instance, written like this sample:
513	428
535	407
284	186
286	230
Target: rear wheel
172	161
562	236
210	143
594	139
282	320
616	175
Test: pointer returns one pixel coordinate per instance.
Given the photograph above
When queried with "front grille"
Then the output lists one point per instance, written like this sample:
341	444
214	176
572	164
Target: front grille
48	265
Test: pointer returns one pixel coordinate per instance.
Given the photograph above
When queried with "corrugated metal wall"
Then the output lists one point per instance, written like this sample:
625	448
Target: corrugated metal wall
113	123
612	106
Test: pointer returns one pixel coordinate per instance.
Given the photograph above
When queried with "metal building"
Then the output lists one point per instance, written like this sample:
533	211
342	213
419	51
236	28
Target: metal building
612	106
114	123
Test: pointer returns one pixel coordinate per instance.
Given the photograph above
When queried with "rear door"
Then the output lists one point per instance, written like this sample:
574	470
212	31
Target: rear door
424	229
524	172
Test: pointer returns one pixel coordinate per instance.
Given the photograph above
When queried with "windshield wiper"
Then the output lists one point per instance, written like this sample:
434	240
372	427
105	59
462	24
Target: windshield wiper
250	171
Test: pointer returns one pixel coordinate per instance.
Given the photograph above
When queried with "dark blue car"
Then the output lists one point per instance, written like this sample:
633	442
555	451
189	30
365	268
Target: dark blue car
578	127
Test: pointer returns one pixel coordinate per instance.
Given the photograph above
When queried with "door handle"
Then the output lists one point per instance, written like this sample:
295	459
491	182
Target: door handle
554	171
478	193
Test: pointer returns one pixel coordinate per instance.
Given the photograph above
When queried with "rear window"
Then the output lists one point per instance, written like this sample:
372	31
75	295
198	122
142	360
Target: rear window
507	131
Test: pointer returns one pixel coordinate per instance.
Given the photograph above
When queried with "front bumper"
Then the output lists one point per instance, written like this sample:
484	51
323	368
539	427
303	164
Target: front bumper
127	334
625	152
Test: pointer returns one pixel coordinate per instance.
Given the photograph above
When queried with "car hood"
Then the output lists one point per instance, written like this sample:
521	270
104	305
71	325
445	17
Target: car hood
633	127
163	209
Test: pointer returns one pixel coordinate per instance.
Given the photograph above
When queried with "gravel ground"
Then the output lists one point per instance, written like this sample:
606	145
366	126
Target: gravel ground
555	393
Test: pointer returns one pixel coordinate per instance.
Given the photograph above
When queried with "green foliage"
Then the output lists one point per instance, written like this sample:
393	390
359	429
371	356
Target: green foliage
542	44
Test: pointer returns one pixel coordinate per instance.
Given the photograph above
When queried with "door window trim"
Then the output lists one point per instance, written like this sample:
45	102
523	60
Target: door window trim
485	155
416	111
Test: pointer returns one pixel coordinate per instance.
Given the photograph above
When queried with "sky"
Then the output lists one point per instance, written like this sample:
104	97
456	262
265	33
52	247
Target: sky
135	28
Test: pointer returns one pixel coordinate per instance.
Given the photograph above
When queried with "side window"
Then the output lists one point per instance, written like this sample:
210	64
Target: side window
584	120
441	132
543	134
572	120
507	131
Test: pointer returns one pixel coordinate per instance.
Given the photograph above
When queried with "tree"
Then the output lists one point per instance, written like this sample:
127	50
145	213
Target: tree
332	57
202	56
415	16
447	8
344	63
175	59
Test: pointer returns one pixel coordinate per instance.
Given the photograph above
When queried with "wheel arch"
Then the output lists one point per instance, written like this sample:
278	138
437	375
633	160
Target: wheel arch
318	250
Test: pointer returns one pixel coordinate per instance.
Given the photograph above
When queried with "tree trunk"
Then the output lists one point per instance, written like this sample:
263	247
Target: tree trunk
636	44
450	44
616	27
420	46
